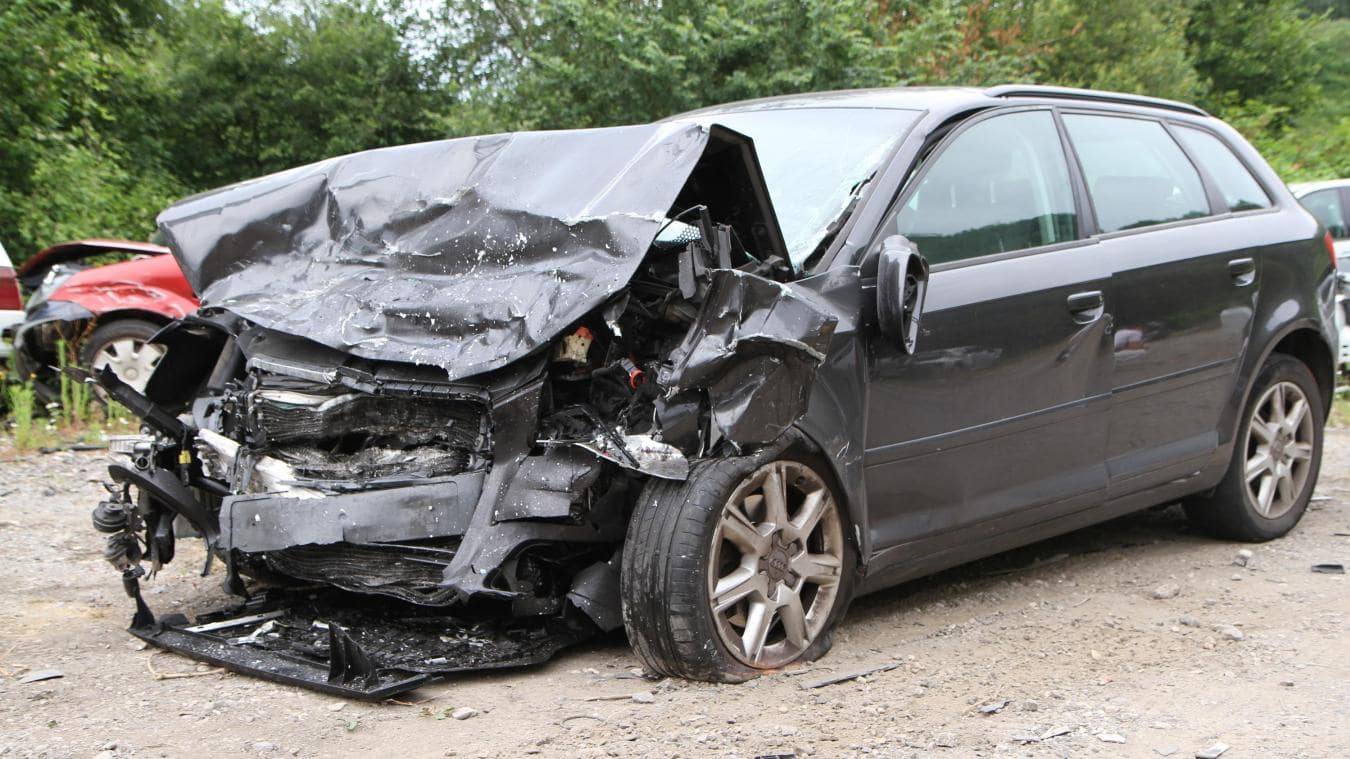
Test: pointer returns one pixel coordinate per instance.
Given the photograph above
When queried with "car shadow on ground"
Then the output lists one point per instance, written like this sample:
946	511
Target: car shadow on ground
1140	535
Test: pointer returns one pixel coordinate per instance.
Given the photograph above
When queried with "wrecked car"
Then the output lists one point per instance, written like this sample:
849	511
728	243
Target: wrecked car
104	315
456	405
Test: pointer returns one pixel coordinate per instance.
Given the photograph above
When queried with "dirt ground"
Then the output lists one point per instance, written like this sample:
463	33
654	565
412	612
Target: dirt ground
1067	632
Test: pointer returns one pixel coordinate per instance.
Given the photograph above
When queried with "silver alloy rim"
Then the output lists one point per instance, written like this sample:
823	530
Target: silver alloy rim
133	361
776	558
1279	449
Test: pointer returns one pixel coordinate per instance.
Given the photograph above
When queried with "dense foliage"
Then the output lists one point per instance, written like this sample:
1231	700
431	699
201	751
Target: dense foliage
110	109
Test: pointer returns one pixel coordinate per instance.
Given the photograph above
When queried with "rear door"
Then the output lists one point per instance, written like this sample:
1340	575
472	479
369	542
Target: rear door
1183	289
1002	410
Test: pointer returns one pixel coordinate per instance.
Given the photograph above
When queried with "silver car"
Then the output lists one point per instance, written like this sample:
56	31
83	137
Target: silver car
1329	201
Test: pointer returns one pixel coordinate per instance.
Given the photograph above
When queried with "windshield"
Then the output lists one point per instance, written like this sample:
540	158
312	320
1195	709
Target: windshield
816	161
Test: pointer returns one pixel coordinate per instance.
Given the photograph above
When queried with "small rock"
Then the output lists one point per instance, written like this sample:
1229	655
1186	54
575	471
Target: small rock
945	740
464	712
1165	750
1166	591
1189	621
1229	632
1213	752
263	747
1030	706
993	707
644	698
339	706
1110	738
1243	558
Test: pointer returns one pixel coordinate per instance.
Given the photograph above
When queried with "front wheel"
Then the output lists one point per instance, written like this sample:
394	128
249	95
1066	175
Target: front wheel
1276	458
743	567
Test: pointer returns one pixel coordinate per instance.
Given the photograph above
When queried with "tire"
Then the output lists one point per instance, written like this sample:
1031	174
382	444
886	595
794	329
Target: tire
1241	511
124	344
679	545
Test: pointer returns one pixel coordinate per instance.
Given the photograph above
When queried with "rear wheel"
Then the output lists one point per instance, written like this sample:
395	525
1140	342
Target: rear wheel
124	346
1275	461
744	567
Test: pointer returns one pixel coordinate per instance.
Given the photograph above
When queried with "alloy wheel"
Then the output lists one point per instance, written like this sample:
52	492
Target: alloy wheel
776	560
1280	439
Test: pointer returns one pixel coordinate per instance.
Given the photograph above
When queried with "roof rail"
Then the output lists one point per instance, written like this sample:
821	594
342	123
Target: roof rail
1070	93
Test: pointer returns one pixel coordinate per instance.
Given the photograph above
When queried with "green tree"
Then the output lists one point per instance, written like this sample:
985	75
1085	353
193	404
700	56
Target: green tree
236	98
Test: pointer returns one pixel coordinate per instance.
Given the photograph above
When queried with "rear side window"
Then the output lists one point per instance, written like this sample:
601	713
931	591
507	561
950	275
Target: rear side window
1002	185
1326	206
1136	173
1239	188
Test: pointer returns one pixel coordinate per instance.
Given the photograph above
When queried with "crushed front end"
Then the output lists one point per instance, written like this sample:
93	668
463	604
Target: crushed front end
402	481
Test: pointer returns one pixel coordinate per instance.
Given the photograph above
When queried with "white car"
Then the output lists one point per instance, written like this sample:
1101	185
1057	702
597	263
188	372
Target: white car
11	303
1330	202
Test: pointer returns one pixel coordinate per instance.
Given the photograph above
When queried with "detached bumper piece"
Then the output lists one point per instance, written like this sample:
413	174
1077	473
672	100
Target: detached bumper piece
348	645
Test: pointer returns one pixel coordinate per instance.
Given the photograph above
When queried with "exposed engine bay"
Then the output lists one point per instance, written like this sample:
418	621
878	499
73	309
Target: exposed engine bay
412	402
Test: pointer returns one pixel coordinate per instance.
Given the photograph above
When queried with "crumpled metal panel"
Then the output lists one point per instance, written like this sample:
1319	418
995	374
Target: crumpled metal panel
754	347
465	254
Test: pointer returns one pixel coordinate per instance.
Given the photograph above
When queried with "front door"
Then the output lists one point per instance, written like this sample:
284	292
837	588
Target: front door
1002	409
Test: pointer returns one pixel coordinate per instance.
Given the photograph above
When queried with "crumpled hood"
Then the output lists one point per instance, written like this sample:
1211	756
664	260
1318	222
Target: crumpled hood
465	254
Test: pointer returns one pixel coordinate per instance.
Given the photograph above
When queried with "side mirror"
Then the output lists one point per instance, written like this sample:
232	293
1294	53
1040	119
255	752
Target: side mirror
902	284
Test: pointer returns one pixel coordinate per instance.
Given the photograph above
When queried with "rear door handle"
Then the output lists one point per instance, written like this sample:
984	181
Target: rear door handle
1243	271
1086	307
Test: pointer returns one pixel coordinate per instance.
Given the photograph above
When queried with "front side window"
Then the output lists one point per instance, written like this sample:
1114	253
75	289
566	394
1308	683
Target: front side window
1239	188
1326	207
1002	185
1136	173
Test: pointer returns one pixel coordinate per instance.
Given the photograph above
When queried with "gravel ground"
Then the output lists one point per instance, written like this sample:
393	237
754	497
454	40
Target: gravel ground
1136	638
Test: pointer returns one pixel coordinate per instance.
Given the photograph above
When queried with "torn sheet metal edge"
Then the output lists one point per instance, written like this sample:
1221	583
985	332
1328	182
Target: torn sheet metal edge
648	455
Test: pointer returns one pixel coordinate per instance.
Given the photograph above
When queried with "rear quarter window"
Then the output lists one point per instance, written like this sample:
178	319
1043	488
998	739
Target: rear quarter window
1240	190
1136	174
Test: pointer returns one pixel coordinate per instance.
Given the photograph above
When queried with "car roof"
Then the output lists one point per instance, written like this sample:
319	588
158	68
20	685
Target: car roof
1303	188
944	100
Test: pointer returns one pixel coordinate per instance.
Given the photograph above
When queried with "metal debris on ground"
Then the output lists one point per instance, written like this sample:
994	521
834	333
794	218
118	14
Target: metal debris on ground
1213	752
1110	738
850	675
40	675
993	707
1329	569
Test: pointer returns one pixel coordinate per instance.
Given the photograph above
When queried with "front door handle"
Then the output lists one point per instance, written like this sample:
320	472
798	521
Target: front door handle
1086	307
1243	271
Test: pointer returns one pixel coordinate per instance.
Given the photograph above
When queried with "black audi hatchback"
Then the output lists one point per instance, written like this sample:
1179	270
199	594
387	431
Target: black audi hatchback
711	378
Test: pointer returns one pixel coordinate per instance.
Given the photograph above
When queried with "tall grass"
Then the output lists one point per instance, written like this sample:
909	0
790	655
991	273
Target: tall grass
75	395
20	399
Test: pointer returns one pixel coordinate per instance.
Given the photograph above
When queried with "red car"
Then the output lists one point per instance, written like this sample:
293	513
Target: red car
109	313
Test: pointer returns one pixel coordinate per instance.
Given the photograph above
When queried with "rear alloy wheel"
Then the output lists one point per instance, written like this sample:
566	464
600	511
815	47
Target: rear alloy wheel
1279	449
744	567
1276	458
124	346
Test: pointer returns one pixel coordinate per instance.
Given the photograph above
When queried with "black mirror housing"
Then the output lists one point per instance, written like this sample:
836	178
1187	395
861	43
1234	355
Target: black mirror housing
902	284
